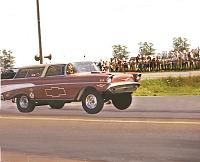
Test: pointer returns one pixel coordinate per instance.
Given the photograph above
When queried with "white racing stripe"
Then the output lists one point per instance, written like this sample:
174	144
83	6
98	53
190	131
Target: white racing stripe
10	87
102	120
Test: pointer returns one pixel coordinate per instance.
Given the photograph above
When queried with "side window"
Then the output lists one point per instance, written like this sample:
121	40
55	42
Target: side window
35	72
21	73
55	70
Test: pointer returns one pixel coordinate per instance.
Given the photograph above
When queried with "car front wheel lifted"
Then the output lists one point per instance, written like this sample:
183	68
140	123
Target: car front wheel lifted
122	101
92	101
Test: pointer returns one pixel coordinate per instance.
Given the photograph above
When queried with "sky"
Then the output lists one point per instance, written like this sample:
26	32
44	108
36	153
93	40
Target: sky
72	29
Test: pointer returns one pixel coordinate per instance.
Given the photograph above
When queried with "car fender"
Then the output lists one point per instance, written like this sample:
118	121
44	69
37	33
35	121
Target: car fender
81	92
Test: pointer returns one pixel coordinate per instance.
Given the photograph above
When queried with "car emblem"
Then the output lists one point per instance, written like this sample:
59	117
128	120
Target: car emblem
55	92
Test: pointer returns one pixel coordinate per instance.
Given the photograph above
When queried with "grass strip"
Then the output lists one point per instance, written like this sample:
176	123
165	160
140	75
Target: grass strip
171	86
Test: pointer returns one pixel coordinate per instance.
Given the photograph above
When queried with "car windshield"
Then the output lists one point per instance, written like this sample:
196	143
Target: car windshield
85	66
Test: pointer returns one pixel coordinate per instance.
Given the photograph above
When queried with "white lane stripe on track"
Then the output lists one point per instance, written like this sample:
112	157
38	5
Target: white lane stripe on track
102	120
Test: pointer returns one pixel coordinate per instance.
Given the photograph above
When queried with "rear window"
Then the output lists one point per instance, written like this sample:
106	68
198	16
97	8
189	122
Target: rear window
30	72
35	72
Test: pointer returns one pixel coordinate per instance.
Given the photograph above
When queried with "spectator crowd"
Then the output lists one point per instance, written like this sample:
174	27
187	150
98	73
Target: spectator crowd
172	61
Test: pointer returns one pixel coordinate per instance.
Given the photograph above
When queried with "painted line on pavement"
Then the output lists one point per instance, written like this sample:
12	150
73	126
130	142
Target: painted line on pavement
102	120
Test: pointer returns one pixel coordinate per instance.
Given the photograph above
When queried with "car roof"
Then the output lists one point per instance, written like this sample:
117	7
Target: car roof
40	65
44	65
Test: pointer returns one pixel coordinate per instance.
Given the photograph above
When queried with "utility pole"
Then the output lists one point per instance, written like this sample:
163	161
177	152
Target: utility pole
39	33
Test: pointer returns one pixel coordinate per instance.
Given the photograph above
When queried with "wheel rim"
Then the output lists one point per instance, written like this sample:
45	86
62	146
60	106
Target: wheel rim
24	102
91	101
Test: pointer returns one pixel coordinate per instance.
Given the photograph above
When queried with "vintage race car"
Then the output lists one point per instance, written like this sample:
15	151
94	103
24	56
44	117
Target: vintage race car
57	84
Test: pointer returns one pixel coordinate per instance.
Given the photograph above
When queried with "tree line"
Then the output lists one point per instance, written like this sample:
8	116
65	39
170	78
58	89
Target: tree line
147	48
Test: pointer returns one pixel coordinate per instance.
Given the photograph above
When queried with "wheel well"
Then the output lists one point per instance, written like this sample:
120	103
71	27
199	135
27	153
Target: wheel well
81	92
18	95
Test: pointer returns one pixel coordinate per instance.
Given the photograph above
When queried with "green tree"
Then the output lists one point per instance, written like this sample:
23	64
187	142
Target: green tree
181	44
120	51
7	60
146	48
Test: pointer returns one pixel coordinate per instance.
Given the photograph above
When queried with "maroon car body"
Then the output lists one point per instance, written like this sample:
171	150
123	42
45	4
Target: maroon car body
57	84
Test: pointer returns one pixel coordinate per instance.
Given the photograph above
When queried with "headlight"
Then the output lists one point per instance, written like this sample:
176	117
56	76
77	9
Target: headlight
138	77
109	80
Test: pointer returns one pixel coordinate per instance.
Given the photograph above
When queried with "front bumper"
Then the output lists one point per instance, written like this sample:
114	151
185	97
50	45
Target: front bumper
123	87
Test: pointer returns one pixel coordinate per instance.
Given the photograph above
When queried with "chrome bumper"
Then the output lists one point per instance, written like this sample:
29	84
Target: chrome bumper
123	87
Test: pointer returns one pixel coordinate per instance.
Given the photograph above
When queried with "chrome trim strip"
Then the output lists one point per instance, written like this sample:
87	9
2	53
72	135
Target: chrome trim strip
123	87
10	87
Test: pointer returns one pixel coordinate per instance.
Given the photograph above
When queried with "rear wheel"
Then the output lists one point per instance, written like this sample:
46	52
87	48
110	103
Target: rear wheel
92	101
24	104
122	101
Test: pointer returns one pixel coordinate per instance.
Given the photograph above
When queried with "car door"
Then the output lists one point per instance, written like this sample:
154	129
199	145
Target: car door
52	86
